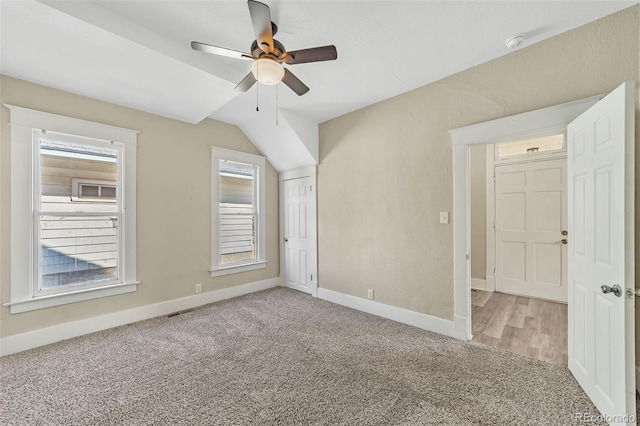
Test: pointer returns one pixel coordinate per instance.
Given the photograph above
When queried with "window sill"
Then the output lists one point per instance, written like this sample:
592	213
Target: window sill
19	306
227	270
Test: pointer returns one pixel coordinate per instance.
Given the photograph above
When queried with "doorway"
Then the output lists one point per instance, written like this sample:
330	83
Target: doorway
600	133
518	246
552	119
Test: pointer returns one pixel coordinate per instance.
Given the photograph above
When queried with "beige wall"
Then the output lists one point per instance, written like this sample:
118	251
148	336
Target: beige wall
173	208
637	200
478	195
386	170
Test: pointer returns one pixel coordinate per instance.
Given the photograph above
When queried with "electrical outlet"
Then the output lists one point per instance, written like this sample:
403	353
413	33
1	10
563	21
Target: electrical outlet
198	287
444	217
370	293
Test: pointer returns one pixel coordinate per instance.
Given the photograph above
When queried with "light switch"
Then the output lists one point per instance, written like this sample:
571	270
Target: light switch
444	217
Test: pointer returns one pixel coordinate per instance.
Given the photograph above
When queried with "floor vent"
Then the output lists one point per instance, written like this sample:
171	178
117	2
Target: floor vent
175	314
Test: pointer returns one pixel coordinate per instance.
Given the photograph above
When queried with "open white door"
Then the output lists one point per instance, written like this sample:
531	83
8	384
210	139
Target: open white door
600	177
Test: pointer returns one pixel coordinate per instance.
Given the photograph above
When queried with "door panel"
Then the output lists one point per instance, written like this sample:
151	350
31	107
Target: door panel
514	259
548	269
601	252
578	304
530	218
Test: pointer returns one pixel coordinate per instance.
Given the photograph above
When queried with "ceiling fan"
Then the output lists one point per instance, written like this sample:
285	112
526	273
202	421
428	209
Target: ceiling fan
269	54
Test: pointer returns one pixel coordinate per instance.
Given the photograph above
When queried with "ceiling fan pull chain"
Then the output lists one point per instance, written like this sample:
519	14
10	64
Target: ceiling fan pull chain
257	89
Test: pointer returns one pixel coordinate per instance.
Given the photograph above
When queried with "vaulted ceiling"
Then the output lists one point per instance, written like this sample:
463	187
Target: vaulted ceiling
138	54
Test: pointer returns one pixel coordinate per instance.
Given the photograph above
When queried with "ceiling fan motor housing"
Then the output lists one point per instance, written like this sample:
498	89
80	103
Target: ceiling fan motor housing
279	49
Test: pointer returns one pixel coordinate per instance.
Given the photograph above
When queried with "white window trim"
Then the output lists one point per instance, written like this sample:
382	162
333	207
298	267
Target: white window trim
23	122
218	154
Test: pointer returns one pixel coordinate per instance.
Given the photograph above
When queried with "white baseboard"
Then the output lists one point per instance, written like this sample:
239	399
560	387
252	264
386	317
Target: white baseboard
478	284
402	315
56	333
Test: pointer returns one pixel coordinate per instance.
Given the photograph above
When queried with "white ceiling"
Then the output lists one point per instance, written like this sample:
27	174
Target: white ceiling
138	54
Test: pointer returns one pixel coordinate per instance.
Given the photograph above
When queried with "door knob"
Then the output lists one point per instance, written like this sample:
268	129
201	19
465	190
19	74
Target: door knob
285	239
615	289
562	241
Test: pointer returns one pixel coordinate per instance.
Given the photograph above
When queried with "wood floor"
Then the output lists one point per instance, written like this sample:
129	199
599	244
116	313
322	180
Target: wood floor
531	327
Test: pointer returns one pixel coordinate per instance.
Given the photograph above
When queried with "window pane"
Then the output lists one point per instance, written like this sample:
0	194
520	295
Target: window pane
89	190
237	212
78	230
529	146
65	164
108	192
77	250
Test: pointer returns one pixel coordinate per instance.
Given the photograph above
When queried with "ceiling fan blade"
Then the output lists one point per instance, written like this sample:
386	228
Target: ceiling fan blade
261	19
222	51
315	54
294	83
246	83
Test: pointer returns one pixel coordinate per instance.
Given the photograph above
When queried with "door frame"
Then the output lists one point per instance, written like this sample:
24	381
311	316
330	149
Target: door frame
303	172
520	126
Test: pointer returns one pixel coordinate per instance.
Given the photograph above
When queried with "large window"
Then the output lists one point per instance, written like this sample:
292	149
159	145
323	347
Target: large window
237	229
73	210
76	217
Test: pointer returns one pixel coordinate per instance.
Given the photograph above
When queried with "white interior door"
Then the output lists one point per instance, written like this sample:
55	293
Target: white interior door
601	253
298	225
531	215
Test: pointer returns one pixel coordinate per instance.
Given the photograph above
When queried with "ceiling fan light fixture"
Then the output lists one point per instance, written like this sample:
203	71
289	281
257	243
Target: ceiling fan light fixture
267	71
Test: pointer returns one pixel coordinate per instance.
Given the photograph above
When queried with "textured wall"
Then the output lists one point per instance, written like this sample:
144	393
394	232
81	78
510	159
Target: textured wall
386	170
478	195
637	187
173	204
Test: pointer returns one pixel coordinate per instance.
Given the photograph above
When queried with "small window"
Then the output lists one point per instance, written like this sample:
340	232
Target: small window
91	190
237	211
547	144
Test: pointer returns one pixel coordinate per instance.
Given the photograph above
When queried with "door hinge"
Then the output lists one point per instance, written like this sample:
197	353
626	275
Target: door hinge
494	225
310	188
311	277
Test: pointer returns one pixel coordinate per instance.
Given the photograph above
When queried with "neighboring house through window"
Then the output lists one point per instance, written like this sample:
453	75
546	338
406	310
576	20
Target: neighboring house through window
69	177
237	211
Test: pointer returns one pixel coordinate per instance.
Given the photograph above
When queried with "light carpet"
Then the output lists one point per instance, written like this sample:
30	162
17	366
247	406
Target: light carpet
280	357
